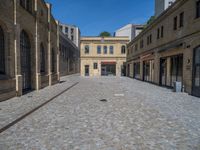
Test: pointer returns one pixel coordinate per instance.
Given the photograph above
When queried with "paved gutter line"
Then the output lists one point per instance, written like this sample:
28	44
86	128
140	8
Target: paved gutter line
35	109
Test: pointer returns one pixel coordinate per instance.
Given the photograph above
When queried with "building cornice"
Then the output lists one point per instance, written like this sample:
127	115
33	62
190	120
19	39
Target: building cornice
160	18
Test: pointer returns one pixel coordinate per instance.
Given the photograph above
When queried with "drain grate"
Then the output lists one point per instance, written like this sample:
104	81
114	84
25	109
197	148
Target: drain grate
103	100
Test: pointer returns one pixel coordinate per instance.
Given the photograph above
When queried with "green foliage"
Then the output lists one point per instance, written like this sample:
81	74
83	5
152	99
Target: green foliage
151	19
105	34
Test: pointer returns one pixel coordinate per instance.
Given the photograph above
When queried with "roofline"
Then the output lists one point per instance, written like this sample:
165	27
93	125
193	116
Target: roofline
65	24
168	11
137	25
70	42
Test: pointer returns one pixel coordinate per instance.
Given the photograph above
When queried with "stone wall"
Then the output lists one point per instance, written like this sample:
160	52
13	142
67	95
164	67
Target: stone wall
41	28
180	41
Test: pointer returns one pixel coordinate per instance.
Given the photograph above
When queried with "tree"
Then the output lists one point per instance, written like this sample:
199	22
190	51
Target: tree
105	34
151	19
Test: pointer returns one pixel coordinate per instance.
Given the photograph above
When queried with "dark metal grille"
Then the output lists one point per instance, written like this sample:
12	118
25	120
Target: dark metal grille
2	52
52	61
42	59
25	49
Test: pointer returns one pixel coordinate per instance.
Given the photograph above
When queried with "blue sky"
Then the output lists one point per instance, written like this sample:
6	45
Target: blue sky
94	16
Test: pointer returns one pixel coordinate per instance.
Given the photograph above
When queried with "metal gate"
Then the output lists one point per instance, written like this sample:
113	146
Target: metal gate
25	49
2	52
196	73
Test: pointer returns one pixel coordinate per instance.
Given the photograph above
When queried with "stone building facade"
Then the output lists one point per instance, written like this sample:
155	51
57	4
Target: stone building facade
69	56
168	50
72	32
162	5
29	42
130	30
103	56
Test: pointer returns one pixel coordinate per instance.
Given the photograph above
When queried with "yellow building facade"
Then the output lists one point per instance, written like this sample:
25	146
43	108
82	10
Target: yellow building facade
103	56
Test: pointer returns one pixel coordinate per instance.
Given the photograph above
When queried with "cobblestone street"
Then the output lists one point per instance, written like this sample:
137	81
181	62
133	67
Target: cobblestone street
136	116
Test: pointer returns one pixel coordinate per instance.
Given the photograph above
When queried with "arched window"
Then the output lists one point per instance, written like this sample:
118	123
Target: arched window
52	61
26	4
2	52
25	52
42	59
123	49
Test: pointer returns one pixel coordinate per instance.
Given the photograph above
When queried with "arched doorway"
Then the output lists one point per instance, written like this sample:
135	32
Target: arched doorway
25	49
196	73
2	52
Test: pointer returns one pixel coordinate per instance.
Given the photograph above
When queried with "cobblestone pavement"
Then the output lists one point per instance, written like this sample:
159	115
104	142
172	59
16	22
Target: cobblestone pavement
136	116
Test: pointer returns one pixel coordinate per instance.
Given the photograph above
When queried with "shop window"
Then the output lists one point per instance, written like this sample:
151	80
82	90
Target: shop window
176	68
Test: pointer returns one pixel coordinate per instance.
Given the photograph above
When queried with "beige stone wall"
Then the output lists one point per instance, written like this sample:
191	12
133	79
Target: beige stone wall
94	57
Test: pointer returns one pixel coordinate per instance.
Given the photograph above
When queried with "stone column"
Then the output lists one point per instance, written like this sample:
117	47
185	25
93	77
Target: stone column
17	60
49	44
37	52
157	68
58	53
141	69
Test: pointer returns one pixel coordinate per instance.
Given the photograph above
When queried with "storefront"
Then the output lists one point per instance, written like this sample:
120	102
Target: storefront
108	69
148	70
196	73
136	70
171	70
